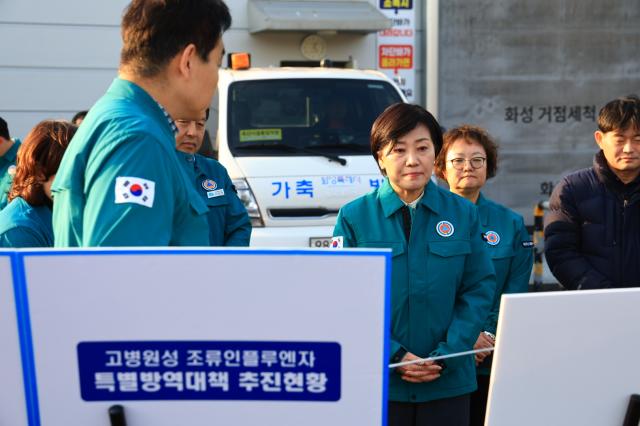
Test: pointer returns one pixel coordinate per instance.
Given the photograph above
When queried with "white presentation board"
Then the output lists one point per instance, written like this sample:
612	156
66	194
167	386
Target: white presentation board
296	336
12	400
566	358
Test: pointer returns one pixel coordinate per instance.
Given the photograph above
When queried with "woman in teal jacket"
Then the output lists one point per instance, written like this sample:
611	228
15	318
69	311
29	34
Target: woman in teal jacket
468	158
442	278
26	220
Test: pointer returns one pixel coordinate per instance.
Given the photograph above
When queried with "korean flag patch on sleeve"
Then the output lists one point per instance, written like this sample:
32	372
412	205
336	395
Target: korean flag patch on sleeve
134	190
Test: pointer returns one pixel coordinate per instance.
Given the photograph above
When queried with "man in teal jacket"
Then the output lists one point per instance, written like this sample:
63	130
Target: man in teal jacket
229	223
121	182
8	151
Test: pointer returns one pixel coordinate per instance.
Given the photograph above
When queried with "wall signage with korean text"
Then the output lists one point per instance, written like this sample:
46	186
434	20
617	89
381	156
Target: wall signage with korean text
396	45
550	113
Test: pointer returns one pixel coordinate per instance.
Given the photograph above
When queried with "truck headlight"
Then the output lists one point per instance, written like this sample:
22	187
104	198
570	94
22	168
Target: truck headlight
249	201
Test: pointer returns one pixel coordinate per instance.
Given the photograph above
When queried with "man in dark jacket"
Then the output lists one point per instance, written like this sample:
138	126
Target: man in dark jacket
592	232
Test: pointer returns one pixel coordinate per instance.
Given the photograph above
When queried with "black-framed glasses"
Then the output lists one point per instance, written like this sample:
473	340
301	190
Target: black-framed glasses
476	162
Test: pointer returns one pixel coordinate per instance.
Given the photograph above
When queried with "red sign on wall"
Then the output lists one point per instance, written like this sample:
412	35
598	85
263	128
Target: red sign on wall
395	56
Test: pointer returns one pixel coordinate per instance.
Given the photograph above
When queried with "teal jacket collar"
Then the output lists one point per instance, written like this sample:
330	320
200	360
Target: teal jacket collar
194	162
391	202
128	90
41	216
189	158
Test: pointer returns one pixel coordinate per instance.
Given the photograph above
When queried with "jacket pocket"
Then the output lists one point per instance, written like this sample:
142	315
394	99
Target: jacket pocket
450	248
198	206
217	201
445	266
501	253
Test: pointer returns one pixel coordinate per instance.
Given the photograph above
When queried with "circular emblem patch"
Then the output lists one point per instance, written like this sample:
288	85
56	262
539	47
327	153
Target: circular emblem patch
12	170
492	238
209	185
444	228
136	190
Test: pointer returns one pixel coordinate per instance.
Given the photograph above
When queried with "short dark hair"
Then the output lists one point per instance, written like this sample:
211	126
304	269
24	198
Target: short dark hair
154	31
38	159
80	115
620	114
398	120
4	129
470	134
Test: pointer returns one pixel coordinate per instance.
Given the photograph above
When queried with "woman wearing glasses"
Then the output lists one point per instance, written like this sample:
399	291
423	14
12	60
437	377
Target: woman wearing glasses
442	282
467	159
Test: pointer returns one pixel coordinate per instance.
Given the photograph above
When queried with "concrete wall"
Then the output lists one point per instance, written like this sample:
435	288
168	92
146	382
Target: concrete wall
563	54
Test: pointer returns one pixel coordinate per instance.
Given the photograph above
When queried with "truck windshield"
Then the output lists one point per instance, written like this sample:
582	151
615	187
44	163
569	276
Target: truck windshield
327	116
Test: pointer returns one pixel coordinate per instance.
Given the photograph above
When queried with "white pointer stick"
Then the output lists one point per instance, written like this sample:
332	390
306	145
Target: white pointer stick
435	358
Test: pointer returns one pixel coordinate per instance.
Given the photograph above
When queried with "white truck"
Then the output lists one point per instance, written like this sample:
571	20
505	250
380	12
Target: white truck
296	144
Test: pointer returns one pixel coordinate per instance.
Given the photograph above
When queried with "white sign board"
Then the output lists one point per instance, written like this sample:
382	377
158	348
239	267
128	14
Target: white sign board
396	45
12	400
566	358
201	337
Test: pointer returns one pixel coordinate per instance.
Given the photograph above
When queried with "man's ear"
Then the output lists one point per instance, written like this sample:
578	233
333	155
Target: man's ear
186	58
599	136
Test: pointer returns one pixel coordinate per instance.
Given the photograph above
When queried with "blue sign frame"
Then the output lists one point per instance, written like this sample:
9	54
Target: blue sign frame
26	339
24	322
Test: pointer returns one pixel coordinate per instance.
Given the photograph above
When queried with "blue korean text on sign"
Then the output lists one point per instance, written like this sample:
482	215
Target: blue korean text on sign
375	183
304	187
205	370
340	180
279	187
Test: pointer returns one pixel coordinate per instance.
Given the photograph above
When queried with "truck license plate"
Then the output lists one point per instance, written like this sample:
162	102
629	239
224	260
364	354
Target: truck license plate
320	242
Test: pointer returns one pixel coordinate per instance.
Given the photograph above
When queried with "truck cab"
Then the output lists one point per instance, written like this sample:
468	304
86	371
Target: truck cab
295	141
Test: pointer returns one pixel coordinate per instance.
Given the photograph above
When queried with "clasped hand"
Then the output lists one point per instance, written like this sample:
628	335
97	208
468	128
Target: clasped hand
422	372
